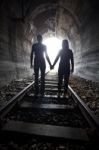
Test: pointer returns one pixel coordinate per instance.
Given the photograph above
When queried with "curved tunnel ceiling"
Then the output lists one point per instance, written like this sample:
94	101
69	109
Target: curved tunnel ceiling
56	20
48	16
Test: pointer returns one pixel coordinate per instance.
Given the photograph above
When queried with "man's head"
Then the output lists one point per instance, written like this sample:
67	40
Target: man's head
39	38
65	44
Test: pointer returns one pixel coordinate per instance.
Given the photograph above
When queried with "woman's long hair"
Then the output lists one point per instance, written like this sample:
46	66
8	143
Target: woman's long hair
65	44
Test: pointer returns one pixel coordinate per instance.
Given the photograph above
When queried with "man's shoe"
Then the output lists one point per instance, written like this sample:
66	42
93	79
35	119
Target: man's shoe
35	95
42	94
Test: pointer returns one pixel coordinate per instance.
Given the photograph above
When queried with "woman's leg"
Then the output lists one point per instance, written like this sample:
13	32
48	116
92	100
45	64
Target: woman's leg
66	81
60	79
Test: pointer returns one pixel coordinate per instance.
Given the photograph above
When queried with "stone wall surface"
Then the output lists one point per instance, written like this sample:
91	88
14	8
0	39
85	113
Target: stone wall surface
90	45
15	46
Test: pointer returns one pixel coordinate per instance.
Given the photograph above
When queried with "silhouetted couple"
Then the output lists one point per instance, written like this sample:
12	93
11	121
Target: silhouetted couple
65	55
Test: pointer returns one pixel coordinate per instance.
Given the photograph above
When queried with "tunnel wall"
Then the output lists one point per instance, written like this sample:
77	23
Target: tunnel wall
89	30
90	52
15	47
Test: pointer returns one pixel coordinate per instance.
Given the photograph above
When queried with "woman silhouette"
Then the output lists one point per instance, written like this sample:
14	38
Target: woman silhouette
66	56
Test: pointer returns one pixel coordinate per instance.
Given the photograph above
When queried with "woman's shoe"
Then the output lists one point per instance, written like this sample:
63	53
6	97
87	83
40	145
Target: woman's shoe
65	95
58	95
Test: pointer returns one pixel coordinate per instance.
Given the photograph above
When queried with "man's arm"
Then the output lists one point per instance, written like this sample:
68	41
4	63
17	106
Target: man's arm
31	57
47	57
72	62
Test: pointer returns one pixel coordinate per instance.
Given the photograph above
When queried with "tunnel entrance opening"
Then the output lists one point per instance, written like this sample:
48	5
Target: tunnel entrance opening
53	46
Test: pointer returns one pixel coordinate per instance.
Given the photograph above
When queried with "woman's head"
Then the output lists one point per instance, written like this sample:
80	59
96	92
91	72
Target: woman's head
65	44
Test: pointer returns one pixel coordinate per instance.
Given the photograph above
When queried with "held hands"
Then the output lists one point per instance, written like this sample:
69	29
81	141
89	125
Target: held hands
51	67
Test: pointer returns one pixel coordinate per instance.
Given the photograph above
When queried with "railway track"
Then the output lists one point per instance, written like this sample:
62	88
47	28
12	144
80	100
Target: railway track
49	118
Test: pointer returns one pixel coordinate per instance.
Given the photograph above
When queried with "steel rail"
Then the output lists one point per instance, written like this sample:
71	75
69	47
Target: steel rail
13	101
88	114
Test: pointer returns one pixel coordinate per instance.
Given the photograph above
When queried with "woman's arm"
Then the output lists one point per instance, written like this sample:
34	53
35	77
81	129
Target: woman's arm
56	59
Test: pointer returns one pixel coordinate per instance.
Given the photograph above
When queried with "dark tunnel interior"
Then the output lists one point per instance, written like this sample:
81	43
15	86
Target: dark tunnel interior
22	20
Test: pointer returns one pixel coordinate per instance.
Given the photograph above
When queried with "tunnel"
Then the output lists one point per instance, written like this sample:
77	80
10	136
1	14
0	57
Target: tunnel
22	20
38	111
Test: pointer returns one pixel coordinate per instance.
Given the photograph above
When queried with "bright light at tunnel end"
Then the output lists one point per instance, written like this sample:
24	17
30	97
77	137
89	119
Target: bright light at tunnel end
53	46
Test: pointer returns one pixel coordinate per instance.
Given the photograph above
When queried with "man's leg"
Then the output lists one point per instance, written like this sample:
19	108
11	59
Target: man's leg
36	71
42	78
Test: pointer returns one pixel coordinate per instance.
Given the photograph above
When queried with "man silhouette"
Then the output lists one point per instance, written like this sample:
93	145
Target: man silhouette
66	55
38	50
